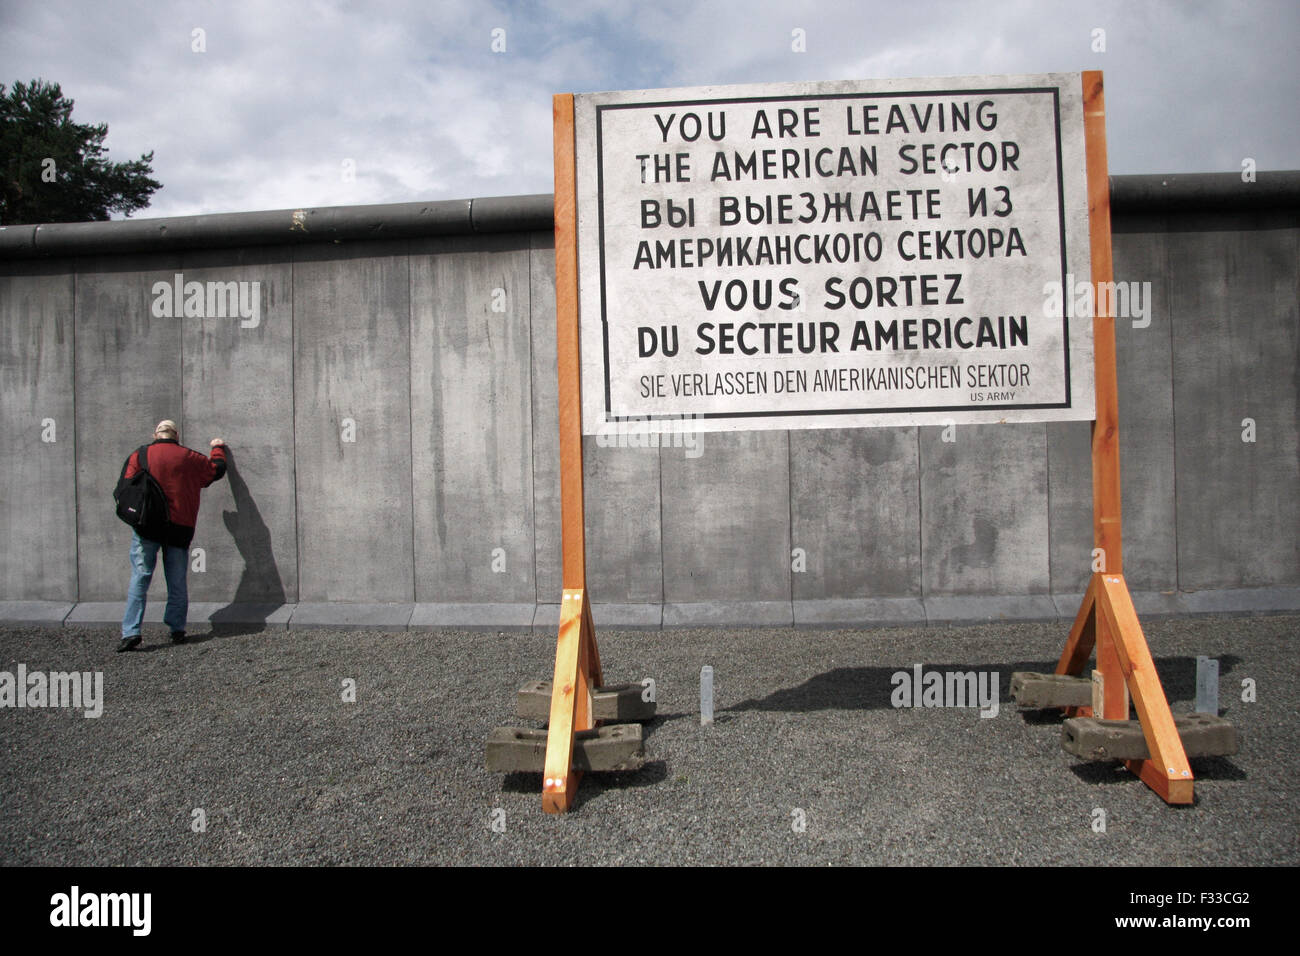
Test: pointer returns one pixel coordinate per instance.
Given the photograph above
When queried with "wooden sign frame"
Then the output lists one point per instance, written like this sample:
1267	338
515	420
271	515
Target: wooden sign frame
1106	620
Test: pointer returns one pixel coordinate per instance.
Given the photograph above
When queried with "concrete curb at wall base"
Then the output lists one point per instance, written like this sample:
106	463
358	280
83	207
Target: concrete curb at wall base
985	610
869	612
101	613
473	617
1163	604
1241	601
1184	192
384	617
545	618
729	614
624	617
35	613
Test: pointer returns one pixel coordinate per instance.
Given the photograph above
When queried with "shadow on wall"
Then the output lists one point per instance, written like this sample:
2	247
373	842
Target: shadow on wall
260	592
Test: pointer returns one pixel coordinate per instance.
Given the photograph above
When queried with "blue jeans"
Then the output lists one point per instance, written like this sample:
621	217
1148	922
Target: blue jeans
144	556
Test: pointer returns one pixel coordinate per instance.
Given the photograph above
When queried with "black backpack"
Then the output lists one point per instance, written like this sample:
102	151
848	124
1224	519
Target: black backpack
141	502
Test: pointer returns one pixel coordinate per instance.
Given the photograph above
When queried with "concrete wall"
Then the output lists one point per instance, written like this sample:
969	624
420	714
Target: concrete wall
392	420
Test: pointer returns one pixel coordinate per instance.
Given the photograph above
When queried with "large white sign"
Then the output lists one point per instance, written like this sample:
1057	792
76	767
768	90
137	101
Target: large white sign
818	255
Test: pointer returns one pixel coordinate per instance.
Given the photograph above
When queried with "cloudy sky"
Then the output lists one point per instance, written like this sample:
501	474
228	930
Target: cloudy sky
252	104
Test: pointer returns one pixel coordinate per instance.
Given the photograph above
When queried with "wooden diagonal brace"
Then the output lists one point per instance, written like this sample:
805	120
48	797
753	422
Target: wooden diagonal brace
570	700
1167	772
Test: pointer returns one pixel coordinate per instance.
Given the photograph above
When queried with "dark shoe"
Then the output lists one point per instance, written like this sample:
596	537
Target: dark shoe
178	637
127	643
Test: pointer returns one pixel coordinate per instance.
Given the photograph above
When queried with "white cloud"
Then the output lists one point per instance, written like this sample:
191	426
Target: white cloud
413	93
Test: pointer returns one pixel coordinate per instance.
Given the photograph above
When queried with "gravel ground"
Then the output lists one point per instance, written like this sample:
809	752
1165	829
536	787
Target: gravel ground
252	729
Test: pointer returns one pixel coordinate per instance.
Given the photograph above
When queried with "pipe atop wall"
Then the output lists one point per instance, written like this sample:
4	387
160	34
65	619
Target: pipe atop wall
455	217
1195	192
1189	192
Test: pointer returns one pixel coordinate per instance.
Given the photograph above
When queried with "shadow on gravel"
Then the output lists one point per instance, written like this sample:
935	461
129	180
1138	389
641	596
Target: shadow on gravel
1217	768
1111	771
870	688
648	728
596	785
1102	772
166	645
245	626
1178	676
593	784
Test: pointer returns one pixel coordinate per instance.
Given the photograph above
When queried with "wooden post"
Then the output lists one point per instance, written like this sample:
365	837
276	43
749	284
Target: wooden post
566	340
577	661
1107	619
1107	525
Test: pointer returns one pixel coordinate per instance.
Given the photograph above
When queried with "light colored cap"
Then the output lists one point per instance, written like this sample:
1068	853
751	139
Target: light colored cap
166	427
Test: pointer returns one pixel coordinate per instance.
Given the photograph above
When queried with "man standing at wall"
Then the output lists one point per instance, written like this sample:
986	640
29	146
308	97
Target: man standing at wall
182	473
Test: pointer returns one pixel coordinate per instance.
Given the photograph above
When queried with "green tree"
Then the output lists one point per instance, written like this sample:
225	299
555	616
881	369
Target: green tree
55	170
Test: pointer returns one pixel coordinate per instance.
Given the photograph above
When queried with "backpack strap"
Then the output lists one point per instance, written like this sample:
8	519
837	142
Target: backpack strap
142	459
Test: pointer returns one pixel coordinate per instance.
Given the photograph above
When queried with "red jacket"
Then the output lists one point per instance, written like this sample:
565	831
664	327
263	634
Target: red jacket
183	473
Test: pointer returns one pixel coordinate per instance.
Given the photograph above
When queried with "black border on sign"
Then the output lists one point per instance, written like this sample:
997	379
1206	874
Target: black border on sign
679	416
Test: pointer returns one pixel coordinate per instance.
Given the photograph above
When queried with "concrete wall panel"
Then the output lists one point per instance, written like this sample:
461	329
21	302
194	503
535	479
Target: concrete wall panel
352	342
38	495
1146	411
624	549
546	422
128	378
1069	478
471	420
624	562
726	520
239	386
855	502
984	520
1236	355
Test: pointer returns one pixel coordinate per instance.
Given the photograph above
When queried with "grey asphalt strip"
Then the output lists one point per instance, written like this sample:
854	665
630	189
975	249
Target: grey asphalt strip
240	748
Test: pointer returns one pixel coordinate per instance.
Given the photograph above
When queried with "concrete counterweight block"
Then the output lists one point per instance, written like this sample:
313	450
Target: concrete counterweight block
613	747
1032	690
1203	735
617	702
